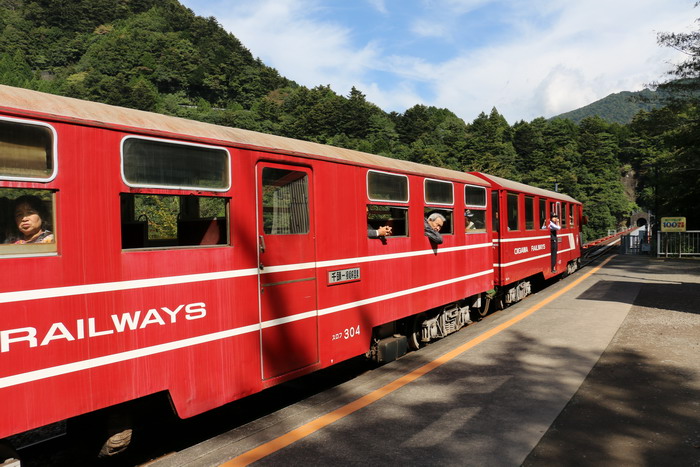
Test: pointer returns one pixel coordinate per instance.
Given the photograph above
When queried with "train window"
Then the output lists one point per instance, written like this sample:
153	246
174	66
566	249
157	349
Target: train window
155	163
565	215
448	225
555	209
475	220
382	186
167	221
475	196
285	202
27	151
529	213
27	220
513	212
543	213
438	192
395	217
495	206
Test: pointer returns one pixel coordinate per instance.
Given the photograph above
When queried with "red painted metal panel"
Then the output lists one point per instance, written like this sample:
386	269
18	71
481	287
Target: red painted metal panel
525	253
101	325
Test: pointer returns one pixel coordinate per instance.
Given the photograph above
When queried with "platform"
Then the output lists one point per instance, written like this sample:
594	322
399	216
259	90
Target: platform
600	368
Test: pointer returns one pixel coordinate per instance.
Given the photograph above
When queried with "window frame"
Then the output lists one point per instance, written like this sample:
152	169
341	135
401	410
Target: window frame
478	206
174	187
382	200
448	214
405	209
54	149
11	250
481	212
173	243
517	211
434	203
531	220
556	211
308	219
542	209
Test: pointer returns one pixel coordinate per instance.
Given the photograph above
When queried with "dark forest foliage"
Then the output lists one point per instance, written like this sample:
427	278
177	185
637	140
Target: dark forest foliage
157	55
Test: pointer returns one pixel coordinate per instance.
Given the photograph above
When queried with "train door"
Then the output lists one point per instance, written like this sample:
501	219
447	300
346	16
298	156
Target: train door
496	226
287	268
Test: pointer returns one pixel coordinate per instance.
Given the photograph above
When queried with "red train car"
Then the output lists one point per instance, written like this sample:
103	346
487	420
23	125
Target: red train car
209	263
523	248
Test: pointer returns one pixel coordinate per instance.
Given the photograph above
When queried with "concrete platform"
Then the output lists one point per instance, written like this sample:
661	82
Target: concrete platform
598	369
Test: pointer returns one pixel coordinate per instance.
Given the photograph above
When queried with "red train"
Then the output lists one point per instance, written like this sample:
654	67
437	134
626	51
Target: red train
209	263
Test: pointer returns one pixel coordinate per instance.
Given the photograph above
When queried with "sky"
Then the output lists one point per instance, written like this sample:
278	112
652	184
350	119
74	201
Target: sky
526	58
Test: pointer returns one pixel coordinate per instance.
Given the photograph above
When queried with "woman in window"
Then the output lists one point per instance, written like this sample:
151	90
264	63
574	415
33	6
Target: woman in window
32	221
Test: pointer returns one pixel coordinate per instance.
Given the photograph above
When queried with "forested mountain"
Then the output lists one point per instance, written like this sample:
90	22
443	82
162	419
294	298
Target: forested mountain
157	55
146	54
620	107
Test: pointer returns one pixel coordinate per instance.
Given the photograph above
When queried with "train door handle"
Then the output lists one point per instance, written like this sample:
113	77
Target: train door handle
262	243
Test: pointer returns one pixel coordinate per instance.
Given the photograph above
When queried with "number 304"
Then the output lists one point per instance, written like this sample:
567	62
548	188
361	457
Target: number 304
347	333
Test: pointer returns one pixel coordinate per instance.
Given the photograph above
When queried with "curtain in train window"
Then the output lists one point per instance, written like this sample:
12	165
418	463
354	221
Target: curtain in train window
26	151
285	202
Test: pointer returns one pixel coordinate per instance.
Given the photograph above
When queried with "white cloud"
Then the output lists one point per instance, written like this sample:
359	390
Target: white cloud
312	53
400	96
430	28
378	5
583	57
555	55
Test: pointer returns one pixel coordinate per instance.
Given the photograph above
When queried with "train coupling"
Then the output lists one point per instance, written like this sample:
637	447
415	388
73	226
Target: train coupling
388	349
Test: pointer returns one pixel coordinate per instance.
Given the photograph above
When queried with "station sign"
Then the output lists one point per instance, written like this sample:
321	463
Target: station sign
673	224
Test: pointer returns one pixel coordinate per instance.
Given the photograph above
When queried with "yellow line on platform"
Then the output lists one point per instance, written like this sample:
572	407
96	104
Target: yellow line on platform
309	428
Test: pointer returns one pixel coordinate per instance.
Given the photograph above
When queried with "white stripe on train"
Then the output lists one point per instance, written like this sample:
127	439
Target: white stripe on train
68	368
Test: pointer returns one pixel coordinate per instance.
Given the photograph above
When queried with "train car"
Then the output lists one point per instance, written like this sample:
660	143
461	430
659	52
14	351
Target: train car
523	248
207	263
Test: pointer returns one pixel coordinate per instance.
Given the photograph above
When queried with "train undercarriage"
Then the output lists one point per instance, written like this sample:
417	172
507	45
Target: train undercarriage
393	340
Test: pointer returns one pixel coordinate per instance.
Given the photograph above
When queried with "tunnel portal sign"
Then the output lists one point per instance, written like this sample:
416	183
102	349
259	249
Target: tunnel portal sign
673	224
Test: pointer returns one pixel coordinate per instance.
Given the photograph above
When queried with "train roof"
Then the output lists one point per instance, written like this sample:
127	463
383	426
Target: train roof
498	182
104	115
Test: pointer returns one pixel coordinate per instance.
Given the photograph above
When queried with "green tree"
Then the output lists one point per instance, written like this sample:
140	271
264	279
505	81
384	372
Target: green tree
489	147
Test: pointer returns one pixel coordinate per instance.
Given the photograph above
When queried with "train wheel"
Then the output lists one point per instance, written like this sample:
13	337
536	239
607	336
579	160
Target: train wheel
7	453
415	332
116	444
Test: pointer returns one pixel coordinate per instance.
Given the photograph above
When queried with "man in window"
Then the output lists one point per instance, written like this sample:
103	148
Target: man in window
380	232
432	226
